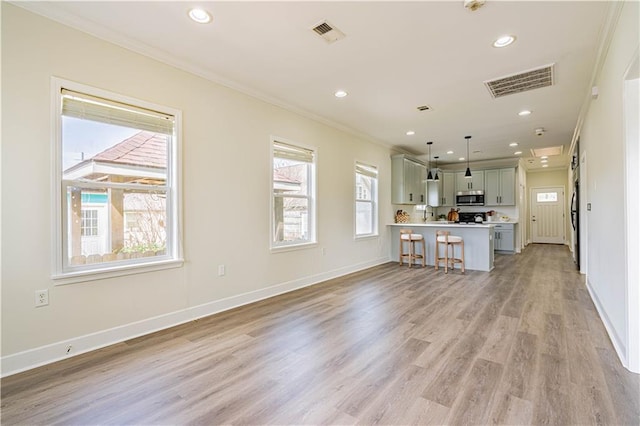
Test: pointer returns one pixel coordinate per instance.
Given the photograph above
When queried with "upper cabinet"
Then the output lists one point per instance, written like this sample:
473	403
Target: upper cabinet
442	192
474	183
500	187
407	180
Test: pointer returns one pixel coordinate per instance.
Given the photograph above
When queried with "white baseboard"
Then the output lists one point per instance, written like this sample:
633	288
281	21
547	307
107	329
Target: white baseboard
618	344
32	358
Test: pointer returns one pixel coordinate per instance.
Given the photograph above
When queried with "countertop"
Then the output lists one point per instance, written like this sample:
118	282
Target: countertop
443	224
455	224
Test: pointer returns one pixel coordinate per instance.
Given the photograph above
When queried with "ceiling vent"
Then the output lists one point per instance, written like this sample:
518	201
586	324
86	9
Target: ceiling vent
328	32
521	82
552	150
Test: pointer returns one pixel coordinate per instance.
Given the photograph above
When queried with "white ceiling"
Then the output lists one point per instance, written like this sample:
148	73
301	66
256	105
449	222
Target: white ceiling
395	57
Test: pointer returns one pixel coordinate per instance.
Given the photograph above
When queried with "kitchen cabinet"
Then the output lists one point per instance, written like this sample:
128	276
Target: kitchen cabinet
500	187
442	192
407	180
475	183
503	237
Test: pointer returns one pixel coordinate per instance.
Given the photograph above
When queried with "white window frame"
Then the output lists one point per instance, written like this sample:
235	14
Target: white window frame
371	171
62	272
311	199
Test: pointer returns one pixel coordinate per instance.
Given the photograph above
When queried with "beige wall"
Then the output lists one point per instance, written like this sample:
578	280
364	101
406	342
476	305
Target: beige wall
603	179
226	170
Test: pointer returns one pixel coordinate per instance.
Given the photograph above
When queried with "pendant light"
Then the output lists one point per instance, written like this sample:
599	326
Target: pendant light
436	177
467	174
429	175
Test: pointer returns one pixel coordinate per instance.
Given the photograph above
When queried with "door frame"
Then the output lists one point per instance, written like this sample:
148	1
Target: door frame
563	200
631	197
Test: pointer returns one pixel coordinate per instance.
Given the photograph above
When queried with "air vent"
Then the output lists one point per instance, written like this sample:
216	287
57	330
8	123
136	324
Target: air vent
424	108
521	82
328	32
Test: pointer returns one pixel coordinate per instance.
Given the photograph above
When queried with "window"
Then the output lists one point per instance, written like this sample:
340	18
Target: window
116	176
89	226
366	200
293	188
547	197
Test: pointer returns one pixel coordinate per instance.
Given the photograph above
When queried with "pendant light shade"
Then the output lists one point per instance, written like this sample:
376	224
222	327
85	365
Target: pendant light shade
467	173
436	177
429	175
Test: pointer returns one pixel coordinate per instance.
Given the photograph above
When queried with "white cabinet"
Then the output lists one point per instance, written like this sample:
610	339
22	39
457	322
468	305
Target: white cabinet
500	187
475	182
442	192
504	237
407	180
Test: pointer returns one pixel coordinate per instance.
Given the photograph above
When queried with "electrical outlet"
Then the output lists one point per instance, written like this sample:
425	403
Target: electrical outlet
42	297
221	270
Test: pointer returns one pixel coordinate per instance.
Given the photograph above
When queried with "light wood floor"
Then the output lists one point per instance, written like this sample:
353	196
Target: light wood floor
389	345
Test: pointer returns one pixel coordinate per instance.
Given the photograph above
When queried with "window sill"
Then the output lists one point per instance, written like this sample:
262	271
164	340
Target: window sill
119	271
366	237
293	247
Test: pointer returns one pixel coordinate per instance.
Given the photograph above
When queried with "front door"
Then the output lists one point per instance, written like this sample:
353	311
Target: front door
547	215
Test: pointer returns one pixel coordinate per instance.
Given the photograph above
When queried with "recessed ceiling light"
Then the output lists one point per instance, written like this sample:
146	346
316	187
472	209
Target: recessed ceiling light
545	165
410	133
449	152
504	41
461	159
524	112
340	94
513	144
544	161
200	16
517	153
544	157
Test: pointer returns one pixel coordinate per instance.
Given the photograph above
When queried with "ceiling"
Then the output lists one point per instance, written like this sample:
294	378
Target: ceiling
395	57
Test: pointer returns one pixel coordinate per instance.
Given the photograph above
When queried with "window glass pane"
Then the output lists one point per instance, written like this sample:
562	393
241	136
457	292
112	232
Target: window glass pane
107	225
547	197
290	177
291	219
95	151
363	187
145	224
364	217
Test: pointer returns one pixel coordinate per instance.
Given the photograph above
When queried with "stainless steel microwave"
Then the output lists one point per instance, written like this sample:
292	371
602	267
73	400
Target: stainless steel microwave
470	198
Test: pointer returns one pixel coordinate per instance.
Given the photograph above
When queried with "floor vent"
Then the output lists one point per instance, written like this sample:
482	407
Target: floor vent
328	32
521	82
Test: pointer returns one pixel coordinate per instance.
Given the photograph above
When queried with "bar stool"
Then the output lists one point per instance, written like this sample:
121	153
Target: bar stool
450	241
407	236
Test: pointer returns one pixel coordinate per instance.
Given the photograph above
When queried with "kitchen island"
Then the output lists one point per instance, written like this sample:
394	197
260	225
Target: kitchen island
478	242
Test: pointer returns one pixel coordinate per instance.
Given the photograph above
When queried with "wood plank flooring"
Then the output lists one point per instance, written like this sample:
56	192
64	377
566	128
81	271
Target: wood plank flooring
388	345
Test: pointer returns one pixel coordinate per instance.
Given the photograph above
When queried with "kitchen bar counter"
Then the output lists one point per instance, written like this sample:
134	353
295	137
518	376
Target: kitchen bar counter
478	241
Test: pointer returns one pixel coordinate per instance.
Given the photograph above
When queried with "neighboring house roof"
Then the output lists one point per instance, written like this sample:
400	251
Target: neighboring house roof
280	177
142	149
141	158
282	182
